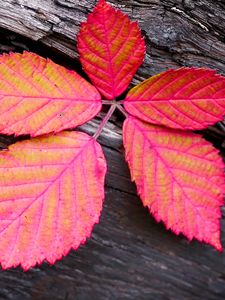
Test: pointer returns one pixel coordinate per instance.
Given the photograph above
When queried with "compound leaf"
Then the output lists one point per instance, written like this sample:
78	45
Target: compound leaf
38	96
179	177
52	190
111	49
186	98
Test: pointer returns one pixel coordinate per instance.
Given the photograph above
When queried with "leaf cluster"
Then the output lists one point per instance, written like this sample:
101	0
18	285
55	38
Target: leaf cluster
52	185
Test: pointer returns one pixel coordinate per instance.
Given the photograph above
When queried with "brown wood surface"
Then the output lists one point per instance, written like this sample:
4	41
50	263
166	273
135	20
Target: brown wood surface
129	256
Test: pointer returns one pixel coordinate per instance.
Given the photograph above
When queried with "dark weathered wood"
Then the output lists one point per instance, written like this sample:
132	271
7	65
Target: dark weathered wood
129	256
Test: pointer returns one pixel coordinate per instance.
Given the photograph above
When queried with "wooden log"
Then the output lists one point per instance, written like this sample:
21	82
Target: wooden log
129	256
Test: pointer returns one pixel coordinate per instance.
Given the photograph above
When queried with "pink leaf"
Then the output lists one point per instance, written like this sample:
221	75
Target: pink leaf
38	96
52	190
186	98
179	177
111	49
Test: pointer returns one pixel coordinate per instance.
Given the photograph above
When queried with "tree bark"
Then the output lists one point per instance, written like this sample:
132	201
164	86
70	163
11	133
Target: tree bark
129	256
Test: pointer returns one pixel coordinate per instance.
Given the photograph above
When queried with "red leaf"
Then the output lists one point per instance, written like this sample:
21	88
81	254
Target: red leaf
38	96
111	49
52	190
186	98
179	177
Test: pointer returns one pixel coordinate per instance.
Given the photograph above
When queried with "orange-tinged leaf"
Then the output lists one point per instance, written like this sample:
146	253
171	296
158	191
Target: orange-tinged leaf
38	96
186	98
111	49
52	190
179	177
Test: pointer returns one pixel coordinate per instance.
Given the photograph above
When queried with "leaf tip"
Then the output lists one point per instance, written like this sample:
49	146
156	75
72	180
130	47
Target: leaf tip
219	247
216	243
100	2
102	5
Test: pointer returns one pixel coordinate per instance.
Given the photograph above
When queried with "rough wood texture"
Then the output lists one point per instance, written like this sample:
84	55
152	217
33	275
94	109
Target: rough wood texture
129	256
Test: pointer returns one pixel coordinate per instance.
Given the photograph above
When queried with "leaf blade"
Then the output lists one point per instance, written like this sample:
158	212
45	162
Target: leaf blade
171	174
38	96
111	49
186	98
52	193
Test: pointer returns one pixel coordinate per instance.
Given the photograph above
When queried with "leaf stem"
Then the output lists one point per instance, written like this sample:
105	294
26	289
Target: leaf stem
107	102
110	102
120	101
105	120
122	110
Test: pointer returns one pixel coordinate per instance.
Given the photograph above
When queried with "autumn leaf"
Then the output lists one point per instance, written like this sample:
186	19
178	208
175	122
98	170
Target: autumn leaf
38	96
179	177
111	49
186	98
52	187
52	190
